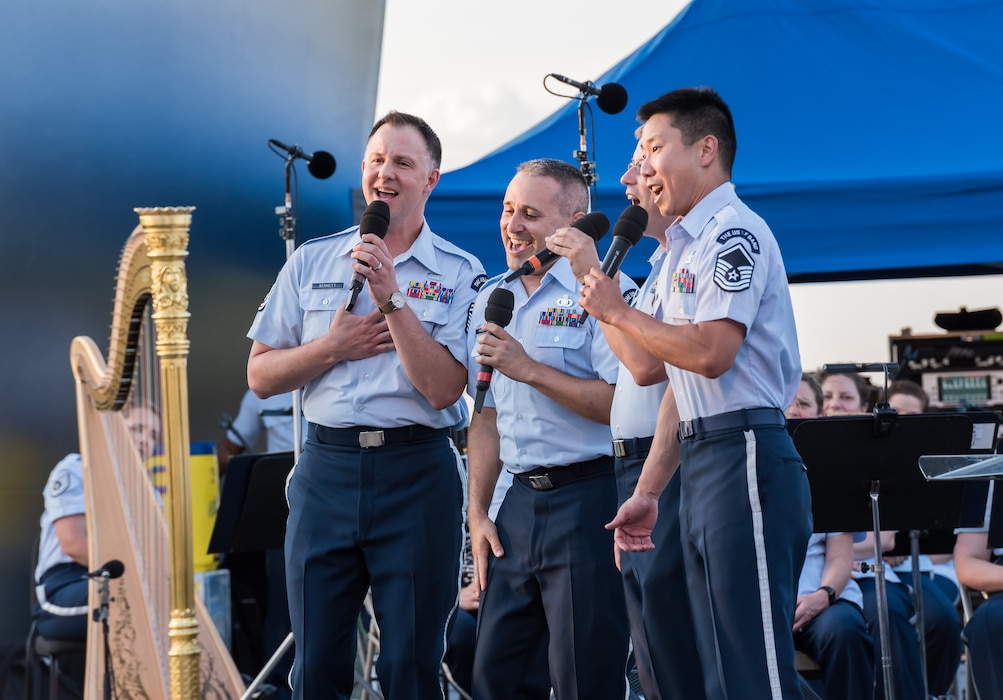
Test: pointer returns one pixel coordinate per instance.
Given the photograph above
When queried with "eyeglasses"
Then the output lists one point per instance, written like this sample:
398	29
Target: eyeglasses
636	164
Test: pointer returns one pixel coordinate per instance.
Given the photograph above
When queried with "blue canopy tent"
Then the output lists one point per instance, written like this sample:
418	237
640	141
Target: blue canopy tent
867	133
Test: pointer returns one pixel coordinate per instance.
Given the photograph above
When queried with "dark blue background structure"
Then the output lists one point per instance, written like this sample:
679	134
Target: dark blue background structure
113	104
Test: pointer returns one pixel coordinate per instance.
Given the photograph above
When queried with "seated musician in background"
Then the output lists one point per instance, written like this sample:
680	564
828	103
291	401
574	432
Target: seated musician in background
828	623
848	394
61	589
271	416
978	567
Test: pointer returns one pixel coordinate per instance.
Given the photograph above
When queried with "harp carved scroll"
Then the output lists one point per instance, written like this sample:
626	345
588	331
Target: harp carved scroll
161	641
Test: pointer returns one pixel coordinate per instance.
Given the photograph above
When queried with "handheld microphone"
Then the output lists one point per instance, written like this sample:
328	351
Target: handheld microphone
111	569
376	220
611	97
321	164
595	225
627	231
498	310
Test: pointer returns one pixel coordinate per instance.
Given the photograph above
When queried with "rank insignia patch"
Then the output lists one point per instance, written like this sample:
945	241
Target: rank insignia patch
733	269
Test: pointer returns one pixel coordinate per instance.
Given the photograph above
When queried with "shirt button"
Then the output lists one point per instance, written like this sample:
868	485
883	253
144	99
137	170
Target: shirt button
361	409
425	314
324	302
556	338
366	375
518	416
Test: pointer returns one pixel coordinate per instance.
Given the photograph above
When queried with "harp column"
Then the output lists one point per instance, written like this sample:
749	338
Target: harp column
166	230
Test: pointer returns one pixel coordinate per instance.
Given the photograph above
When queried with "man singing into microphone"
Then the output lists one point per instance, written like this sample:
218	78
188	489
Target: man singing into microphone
376	498
723	325
551	593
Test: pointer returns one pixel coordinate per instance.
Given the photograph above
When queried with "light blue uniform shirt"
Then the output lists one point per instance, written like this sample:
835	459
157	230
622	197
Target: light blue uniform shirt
724	263
534	430
269	415
635	408
64	496
811	571
439	282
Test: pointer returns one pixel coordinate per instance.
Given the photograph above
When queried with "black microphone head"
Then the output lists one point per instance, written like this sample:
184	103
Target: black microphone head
631	224
612	98
595	224
375	219
499	308
113	568
321	165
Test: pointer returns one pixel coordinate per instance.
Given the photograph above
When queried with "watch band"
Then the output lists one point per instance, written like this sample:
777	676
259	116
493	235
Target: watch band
831	591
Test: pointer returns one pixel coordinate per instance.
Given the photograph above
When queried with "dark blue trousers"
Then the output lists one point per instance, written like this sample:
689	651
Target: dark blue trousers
942	634
746	519
66	614
555	599
985	647
654	586
839	641
907	667
388	518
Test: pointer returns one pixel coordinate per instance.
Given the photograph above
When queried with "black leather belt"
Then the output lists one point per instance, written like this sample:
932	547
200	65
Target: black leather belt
547	478
745	419
365	436
631	447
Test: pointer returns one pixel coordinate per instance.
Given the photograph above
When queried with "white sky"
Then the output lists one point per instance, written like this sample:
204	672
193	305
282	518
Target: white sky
475	72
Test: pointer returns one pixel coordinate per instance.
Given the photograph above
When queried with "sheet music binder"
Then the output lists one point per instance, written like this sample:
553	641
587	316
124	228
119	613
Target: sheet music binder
252	511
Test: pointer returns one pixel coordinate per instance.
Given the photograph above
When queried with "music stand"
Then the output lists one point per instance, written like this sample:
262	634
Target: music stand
252	507
852	460
252	518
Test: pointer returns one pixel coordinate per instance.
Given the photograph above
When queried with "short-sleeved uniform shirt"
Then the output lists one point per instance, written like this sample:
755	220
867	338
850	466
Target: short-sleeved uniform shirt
635	408
64	496
439	282
273	415
724	263
534	430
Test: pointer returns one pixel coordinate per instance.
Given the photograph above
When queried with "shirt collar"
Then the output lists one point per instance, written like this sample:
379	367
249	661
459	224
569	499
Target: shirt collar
422	250
696	221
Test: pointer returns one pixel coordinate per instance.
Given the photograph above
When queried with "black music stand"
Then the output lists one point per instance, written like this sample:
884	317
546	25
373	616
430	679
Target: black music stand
855	461
252	518
252	507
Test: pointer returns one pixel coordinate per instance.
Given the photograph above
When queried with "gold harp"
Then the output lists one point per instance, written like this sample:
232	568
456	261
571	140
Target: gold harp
161	641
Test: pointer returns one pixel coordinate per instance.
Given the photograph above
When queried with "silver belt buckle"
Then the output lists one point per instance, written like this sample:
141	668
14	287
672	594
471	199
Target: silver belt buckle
371	438
685	429
541	482
619	449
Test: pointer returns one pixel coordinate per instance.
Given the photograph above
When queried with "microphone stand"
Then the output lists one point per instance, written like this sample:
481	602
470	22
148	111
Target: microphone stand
586	166
101	615
287	231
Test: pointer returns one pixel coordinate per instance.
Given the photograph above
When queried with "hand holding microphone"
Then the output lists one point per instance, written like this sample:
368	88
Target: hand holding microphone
627	231
499	311
376	220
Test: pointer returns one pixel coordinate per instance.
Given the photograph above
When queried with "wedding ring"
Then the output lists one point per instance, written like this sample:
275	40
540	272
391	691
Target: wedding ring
380	266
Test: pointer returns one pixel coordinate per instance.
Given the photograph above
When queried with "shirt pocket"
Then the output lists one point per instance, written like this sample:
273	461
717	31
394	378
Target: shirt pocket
434	315
682	307
318	307
554	343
